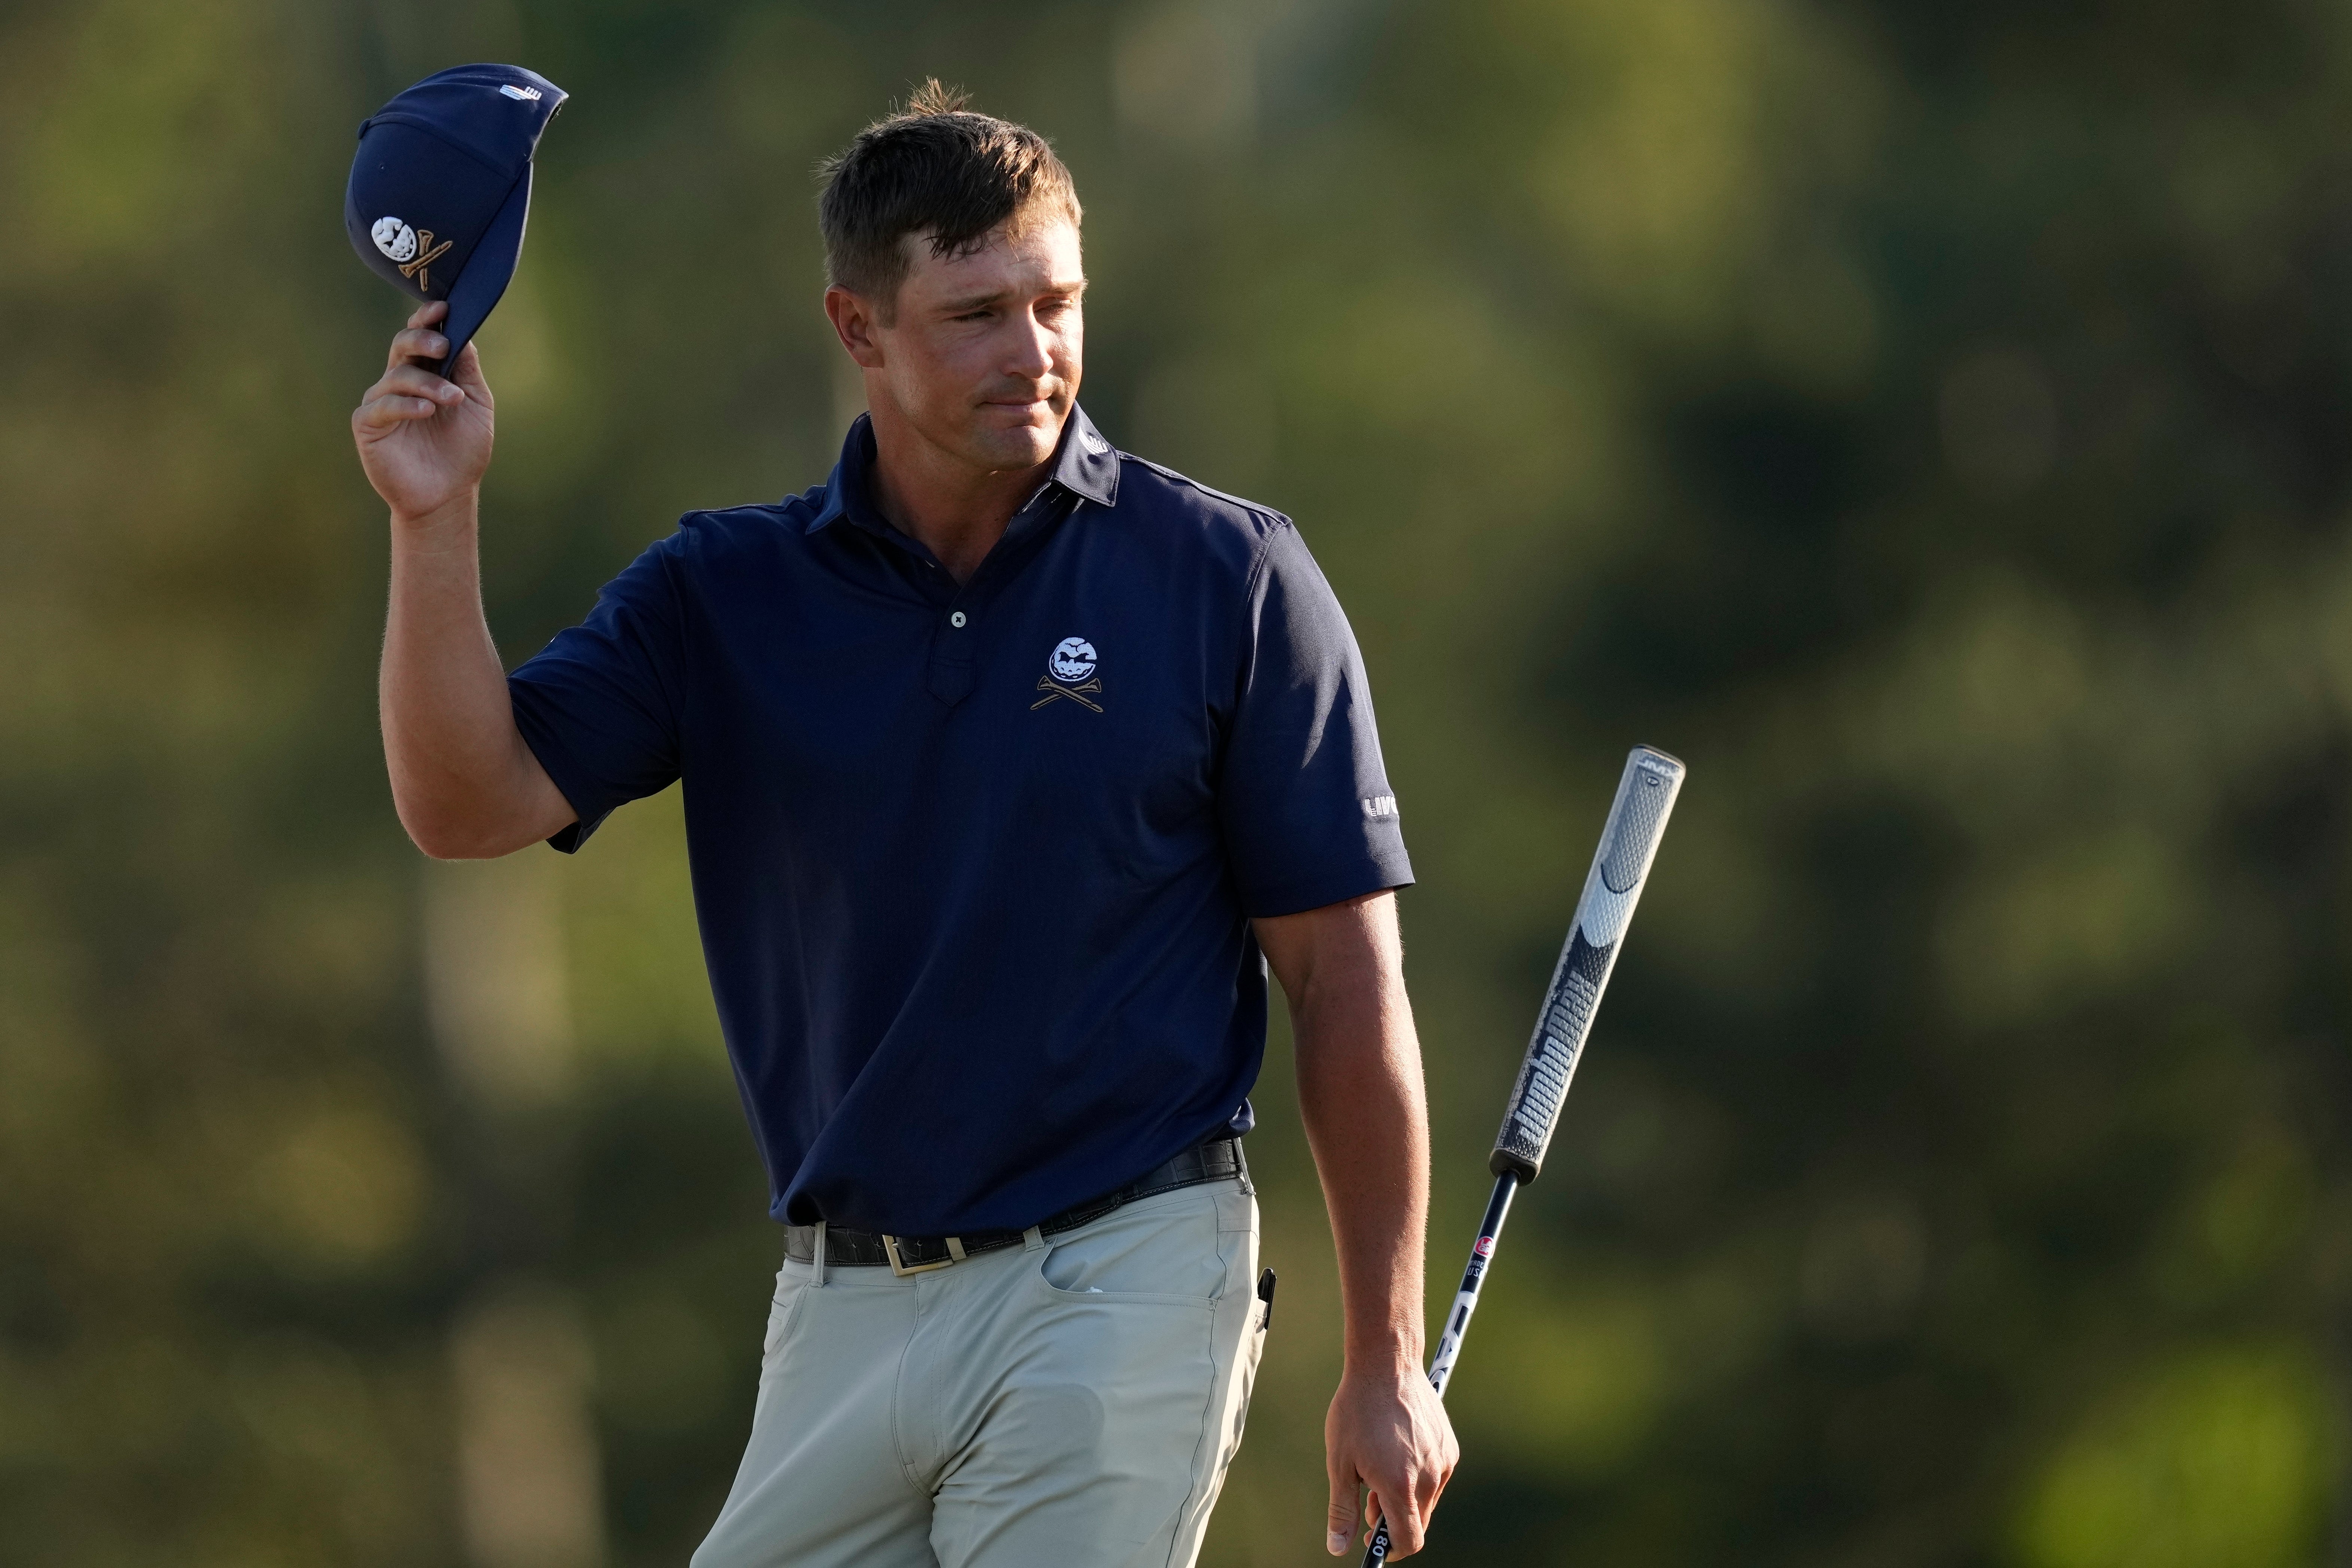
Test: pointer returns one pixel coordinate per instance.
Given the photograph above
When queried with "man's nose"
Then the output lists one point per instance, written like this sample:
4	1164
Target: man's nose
1031	353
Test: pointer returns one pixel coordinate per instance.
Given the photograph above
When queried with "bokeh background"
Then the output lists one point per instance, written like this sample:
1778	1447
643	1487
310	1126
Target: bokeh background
1928	420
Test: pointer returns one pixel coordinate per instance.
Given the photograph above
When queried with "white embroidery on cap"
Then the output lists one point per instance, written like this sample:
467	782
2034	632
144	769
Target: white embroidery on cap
394	238
521	94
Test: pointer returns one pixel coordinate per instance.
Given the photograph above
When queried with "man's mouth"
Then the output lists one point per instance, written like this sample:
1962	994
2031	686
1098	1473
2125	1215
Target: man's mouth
1021	400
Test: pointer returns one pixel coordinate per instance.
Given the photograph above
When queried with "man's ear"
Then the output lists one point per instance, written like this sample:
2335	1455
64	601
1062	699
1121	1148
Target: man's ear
854	322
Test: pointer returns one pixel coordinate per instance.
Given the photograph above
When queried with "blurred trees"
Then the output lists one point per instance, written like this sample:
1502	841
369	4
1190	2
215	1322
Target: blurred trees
1926	420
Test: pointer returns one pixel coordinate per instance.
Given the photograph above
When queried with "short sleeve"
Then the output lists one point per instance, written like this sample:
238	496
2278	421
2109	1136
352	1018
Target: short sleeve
1308	814
599	707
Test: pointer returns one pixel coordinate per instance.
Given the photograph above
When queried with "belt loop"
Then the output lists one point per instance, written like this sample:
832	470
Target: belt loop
1033	1241
820	1255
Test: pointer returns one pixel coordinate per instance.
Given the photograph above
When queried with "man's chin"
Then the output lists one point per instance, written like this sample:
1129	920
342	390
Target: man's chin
1019	447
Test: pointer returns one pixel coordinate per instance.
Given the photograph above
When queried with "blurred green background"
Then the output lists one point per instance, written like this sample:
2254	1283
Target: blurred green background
1928	420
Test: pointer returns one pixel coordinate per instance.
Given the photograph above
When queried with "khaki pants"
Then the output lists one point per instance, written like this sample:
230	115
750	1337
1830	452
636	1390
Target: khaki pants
1072	1403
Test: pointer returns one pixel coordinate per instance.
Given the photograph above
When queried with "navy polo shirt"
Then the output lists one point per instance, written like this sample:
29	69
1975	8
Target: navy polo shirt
974	864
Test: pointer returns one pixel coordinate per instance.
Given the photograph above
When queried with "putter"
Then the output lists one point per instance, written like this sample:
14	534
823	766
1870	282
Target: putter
1629	842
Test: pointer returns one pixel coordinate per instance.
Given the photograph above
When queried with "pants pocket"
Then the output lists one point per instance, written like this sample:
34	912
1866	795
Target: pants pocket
783	1312
1168	1248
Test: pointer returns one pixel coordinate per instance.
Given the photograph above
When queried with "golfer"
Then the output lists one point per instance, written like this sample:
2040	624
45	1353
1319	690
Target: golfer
1011	764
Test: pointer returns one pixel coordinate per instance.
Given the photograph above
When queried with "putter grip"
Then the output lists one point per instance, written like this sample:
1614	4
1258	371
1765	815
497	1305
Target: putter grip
1629	842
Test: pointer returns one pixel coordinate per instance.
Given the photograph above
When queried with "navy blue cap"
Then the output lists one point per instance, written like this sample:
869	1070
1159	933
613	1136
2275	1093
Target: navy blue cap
441	186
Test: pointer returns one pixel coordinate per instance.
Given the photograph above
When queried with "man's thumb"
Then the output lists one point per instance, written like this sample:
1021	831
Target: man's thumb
1342	1518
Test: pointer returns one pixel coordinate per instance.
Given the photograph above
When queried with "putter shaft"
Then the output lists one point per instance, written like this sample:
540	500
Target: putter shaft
1457	1322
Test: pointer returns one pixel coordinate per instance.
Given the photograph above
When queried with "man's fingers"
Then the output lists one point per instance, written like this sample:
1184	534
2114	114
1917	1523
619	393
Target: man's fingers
467	373
423	382
1407	1525
415	381
1408	1517
379	415
1341	1522
406	392
416	343
427	313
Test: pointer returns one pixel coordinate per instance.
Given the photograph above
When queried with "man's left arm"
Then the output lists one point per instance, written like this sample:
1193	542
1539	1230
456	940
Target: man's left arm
1359	1088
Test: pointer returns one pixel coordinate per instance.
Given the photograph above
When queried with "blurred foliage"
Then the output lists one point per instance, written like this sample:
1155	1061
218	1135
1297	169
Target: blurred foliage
1927	420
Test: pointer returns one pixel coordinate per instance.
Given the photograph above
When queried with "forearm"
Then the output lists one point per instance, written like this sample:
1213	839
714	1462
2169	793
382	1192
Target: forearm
1359	1088
462	777
1361	1092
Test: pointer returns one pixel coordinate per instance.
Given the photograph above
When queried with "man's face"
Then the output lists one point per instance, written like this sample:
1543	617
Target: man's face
982	355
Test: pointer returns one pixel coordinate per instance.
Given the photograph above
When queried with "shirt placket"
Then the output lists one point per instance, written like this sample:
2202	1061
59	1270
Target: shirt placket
955	640
953	644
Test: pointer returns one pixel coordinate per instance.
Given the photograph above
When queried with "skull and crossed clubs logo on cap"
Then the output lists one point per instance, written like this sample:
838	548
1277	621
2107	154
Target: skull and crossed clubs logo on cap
1069	672
413	249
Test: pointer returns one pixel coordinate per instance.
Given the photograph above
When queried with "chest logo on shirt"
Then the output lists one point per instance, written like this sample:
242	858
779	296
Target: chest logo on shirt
1069	672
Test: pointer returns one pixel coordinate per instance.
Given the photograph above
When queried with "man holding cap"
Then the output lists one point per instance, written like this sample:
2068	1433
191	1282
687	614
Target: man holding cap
441	185
1011	762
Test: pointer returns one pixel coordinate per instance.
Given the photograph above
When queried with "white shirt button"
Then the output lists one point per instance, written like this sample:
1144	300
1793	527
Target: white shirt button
956	619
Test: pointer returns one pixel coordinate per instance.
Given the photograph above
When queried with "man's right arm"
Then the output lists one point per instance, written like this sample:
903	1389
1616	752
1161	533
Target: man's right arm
465	784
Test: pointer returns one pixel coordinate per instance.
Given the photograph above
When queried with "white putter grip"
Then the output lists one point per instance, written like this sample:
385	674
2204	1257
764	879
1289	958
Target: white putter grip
1637	820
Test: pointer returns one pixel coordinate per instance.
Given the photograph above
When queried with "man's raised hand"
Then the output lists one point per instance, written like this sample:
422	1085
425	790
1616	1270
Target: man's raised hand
423	441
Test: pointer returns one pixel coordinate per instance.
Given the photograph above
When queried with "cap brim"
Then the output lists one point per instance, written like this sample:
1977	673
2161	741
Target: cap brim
488	272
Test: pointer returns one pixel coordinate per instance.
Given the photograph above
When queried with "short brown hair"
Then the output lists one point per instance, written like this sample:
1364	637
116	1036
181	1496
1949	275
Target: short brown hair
935	168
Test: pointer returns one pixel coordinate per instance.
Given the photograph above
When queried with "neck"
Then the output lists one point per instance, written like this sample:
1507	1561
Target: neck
957	511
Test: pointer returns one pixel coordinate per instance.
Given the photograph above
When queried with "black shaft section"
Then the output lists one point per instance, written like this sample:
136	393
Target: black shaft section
1458	1321
1474	1276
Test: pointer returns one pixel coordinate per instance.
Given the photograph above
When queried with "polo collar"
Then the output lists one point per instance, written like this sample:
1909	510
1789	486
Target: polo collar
1087	465
1084	465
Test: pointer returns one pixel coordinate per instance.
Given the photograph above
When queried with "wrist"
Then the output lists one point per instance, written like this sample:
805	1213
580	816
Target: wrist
1388	1359
448	522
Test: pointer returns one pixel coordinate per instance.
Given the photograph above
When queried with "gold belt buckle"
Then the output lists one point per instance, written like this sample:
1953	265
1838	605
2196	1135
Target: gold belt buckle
890	1250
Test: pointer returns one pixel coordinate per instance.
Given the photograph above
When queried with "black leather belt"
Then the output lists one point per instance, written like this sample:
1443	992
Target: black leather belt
1218	1160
